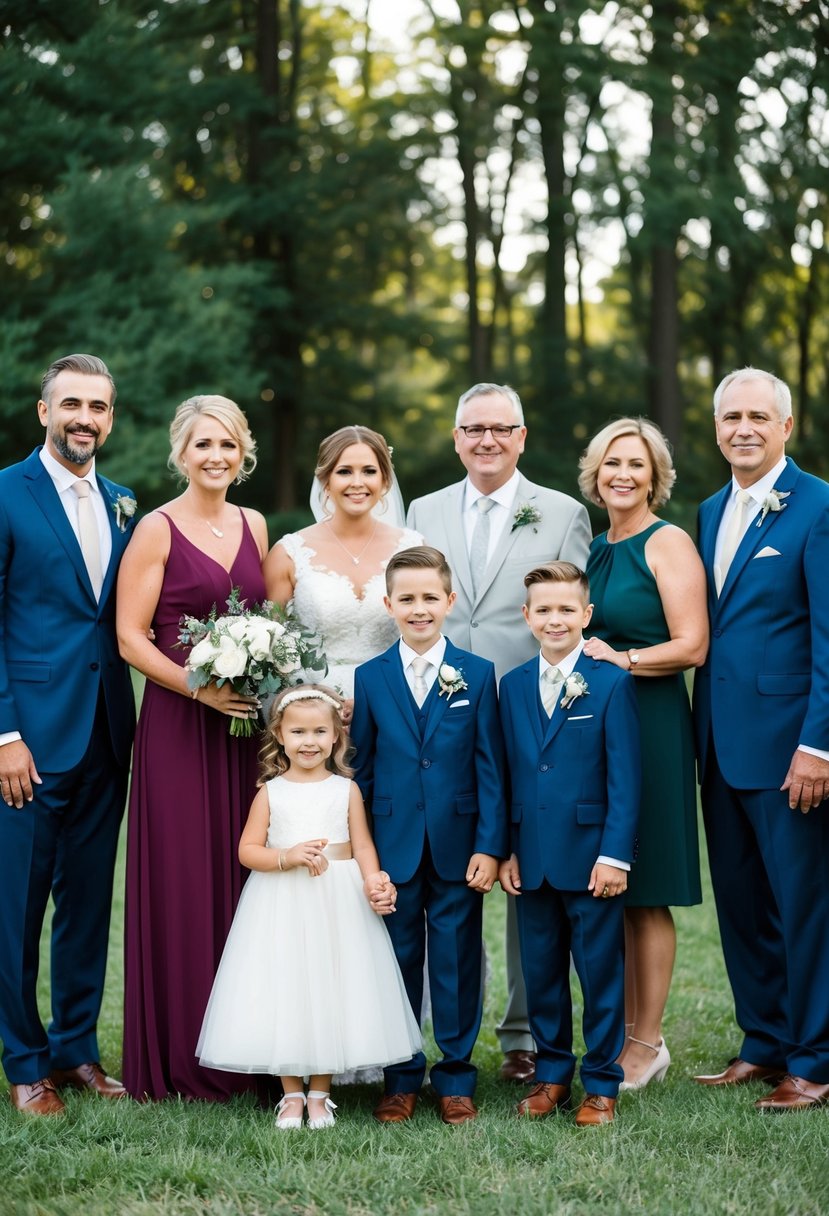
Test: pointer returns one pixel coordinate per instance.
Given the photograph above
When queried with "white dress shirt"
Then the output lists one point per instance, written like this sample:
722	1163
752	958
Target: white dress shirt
433	656
500	514
566	666
759	491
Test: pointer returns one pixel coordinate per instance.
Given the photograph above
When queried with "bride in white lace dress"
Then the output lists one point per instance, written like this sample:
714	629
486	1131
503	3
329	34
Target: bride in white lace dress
334	570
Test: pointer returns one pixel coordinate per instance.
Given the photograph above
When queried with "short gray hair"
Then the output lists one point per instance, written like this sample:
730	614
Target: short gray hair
87	365
782	393
491	390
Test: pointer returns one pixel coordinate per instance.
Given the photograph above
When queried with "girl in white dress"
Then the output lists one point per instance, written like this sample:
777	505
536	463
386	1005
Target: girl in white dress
308	984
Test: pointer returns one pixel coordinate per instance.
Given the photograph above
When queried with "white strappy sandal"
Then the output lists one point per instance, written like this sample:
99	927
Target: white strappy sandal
326	1120
289	1123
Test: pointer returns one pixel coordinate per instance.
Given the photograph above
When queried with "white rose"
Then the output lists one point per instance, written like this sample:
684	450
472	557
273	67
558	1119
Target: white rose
287	661
230	661
203	653
259	642
448	674
277	628
235	627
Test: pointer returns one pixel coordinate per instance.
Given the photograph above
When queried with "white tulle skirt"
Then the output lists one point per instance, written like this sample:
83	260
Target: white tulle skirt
308	981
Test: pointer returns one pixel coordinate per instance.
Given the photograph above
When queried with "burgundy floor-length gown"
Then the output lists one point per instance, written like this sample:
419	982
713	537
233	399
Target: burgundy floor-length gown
192	786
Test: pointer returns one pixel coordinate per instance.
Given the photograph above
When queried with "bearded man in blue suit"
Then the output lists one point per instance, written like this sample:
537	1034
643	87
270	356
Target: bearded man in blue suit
67	716
761	708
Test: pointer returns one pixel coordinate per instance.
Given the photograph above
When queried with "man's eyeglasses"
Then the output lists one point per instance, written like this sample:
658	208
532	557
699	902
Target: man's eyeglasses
497	432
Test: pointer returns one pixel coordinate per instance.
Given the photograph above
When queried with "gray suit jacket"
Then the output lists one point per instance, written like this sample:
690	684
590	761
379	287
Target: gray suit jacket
490	623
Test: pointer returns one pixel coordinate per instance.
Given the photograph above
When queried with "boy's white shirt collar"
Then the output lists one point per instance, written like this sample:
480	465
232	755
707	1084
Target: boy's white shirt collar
433	655
566	665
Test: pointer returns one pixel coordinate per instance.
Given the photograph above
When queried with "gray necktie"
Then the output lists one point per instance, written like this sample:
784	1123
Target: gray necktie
479	548
733	535
419	668
88	534
552	679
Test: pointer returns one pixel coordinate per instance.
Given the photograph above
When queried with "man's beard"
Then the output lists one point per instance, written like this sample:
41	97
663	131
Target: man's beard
75	455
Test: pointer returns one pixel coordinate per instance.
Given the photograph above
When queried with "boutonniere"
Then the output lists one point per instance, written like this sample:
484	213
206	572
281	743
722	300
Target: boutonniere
525	514
575	686
450	680
124	507
773	502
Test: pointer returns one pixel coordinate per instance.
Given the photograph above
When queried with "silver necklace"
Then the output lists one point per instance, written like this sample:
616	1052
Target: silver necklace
215	531
356	560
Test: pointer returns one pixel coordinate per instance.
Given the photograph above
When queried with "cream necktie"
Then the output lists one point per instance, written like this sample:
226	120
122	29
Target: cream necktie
419	668
89	538
479	548
552	679
733	535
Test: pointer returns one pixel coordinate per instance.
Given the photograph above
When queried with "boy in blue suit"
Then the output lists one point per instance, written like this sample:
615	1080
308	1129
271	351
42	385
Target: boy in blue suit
429	761
571	729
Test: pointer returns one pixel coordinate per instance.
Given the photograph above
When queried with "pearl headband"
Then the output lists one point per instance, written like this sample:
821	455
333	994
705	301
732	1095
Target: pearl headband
309	694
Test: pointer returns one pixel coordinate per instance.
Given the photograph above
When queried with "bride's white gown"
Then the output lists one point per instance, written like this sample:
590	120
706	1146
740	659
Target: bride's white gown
354	628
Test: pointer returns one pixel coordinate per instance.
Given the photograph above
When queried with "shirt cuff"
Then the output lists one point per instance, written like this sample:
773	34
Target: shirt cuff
813	751
11	736
612	861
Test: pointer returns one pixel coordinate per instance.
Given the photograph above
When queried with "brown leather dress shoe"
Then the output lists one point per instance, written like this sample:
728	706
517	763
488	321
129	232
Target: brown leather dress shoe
795	1093
89	1076
39	1098
395	1108
544	1099
594	1110
458	1109
519	1066
740	1072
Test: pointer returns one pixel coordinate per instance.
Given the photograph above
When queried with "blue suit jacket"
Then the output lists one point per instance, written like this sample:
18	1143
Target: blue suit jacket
448	785
574	782
764	687
57	644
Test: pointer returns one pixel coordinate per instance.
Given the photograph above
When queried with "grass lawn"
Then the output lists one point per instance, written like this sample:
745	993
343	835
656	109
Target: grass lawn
675	1147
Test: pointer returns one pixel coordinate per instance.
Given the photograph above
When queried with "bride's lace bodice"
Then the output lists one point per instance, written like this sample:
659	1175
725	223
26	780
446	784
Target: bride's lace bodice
354	629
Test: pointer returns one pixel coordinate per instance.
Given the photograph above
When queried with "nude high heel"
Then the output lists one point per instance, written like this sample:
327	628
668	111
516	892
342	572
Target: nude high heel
656	1069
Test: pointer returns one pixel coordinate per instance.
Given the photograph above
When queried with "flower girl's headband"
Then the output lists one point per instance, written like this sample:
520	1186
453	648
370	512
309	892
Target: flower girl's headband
309	694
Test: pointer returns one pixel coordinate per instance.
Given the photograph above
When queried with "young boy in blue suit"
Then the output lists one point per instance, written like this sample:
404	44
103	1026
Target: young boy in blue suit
430	763
571	729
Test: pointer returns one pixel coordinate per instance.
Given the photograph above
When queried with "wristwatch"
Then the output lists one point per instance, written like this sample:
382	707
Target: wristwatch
633	658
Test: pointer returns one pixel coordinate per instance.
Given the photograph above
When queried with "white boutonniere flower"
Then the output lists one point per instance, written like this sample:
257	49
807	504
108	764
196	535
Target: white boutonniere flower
124	507
450	680
575	686
525	514
773	502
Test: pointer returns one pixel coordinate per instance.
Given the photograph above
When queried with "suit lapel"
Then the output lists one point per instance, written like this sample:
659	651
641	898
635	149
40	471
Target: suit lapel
583	665
43	491
392	668
437	705
757	533
529	685
119	538
508	539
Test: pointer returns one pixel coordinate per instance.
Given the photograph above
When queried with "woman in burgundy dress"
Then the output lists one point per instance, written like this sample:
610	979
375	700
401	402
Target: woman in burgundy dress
192	783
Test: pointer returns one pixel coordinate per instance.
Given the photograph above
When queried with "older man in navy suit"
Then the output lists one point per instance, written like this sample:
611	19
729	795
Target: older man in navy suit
66	722
762	716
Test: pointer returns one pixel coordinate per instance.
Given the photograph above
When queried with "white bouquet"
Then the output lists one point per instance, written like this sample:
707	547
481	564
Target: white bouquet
259	650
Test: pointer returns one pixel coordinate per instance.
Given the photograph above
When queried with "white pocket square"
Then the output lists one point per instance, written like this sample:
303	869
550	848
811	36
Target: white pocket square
579	717
767	552
457	704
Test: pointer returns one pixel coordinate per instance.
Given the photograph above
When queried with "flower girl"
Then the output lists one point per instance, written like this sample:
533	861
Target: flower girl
308	985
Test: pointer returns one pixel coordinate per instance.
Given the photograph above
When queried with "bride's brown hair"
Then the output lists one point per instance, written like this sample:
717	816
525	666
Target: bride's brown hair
272	758
333	446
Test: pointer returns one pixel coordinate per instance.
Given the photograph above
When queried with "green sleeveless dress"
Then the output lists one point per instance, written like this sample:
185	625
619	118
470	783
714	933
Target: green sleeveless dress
628	615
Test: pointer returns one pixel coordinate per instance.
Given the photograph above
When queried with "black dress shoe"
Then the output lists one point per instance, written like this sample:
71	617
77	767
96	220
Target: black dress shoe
519	1066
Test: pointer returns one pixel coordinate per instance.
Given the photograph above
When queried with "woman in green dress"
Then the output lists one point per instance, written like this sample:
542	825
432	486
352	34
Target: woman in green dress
648	586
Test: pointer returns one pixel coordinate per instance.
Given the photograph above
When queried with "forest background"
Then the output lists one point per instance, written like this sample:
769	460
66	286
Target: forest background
340	213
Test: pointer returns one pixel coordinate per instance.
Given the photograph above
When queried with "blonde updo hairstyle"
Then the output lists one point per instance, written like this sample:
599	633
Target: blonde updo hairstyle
273	760
662	465
332	447
224	411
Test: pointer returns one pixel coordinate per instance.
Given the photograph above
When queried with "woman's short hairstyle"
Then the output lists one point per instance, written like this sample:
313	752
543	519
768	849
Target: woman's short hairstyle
224	411
782	393
664	473
333	446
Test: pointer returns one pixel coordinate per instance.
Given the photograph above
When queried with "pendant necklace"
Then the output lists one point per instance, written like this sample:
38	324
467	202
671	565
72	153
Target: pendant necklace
356	560
215	531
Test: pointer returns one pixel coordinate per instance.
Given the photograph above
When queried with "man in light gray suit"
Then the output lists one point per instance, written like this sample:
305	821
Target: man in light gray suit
494	526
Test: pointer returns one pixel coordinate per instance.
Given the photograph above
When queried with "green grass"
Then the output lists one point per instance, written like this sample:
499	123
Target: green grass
675	1148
